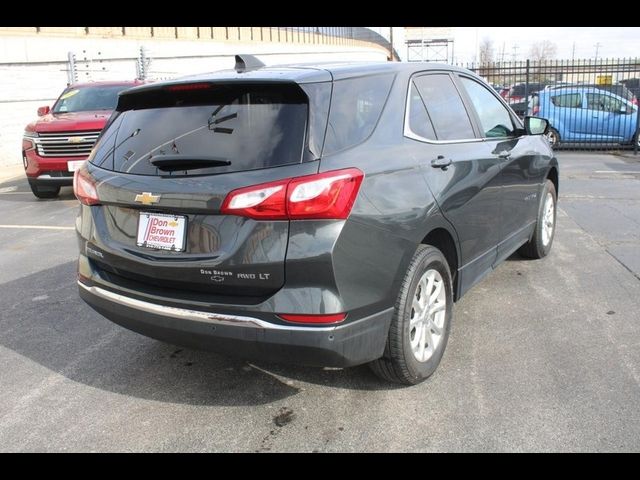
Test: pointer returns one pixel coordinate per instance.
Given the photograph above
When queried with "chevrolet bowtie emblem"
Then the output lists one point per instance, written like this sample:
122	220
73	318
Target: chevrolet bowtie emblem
147	198
76	139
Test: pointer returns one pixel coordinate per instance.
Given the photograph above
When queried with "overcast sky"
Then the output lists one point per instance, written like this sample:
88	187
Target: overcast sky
614	41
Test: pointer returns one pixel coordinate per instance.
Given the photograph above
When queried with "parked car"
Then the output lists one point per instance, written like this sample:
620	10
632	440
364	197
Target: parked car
518	96
633	84
324	215
586	115
60	140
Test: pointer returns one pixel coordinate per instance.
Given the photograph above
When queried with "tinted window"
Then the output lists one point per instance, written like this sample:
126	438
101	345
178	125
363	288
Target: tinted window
603	103
445	107
249	126
569	100
419	121
494	117
356	105
87	99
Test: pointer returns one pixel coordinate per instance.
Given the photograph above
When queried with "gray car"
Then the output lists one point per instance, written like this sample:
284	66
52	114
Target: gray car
326	215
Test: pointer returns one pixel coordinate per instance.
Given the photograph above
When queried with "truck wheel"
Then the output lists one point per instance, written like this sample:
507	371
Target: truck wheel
44	191
420	326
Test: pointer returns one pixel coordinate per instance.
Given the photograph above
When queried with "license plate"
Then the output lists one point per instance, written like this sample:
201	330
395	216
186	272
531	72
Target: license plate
74	165
156	230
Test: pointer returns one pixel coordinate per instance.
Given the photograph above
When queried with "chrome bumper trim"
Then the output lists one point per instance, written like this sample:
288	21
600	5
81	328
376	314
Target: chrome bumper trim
195	315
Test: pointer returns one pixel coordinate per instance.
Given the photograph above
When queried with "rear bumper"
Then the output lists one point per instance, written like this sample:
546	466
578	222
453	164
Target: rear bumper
242	335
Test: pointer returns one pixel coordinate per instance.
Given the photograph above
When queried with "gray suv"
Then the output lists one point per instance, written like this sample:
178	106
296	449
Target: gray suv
326	215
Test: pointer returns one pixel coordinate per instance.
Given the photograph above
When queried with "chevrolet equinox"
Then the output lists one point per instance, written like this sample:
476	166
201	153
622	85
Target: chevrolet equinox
326	215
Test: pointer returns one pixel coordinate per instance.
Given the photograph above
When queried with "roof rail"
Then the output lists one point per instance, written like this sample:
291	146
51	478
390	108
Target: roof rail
246	62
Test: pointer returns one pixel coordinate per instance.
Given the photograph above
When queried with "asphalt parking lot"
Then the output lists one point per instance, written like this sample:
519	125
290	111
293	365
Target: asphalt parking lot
543	355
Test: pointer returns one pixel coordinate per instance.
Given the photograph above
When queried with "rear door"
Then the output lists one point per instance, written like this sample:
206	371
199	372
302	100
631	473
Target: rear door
163	169
468	189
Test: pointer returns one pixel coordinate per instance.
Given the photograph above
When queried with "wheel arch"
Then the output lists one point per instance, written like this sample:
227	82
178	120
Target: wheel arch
554	177
444	239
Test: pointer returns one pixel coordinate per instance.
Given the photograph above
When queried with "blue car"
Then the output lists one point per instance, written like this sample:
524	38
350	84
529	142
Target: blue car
586	115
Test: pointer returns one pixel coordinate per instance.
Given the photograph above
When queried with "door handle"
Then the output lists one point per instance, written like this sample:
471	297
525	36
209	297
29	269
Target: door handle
441	162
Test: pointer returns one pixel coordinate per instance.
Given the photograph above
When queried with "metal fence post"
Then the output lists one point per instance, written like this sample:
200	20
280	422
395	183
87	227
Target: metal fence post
72	73
526	88
141	64
637	137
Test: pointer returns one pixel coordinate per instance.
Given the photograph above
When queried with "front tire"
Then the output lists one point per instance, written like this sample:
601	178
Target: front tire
540	244
554	138
44	191
420	326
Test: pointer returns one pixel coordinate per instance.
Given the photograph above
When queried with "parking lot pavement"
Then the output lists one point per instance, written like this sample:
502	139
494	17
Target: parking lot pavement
543	355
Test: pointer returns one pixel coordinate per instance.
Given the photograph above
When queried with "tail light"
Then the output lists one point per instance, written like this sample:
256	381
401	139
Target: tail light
328	195
84	188
334	318
634	101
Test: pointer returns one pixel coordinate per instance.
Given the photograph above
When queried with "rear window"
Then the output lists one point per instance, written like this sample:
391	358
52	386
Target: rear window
356	105
247	127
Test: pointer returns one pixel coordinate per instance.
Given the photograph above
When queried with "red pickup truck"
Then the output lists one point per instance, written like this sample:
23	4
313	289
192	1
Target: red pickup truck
61	139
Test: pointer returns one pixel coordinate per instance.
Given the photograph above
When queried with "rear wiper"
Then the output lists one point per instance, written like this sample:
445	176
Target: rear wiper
172	163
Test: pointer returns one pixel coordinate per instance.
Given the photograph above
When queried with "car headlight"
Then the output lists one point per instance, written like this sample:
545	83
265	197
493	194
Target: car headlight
30	134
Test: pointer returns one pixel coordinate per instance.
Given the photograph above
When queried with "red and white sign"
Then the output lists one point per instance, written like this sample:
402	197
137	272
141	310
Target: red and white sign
157	230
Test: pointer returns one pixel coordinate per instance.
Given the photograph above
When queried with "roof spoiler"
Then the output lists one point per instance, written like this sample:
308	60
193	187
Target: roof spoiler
246	62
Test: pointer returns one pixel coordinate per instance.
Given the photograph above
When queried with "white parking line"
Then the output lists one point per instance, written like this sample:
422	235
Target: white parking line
617	171
8	189
42	227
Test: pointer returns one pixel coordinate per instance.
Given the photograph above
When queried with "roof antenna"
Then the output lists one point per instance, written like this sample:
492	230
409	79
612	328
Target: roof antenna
246	62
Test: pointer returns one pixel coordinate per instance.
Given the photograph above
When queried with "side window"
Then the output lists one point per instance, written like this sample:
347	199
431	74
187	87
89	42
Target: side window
356	105
419	121
603	103
445	107
569	100
494	117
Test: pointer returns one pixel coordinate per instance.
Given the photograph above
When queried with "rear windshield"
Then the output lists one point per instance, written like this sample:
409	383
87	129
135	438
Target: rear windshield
88	99
246	127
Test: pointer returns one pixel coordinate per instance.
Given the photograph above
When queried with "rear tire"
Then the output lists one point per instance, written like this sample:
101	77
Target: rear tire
540	244
415	347
44	191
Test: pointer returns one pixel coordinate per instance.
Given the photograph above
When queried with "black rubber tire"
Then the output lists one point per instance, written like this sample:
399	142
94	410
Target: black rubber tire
557	135
398	364
44	191
535	247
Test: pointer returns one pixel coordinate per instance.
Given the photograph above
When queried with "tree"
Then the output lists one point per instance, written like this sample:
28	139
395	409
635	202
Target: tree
543	51
486	52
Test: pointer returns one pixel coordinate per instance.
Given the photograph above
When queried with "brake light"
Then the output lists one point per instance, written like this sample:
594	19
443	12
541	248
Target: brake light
181	87
334	318
266	201
328	195
84	188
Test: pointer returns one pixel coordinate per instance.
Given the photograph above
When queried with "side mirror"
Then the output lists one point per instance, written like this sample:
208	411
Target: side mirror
536	125
42	111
